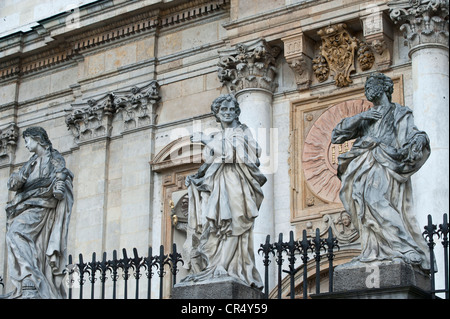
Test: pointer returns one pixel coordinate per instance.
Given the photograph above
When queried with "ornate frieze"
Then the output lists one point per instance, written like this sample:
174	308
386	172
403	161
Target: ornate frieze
421	21
249	66
93	119
8	143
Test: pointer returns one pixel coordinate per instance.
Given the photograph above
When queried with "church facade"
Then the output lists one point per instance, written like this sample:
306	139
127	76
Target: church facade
121	85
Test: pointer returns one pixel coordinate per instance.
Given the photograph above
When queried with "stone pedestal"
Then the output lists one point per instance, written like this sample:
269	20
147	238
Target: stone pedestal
400	292
380	280
215	289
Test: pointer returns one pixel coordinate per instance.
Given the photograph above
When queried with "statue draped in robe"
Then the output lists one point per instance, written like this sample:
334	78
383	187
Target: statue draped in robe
224	198
376	176
38	219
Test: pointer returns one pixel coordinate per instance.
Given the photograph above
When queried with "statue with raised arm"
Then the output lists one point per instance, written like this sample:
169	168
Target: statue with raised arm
376	176
38	220
224	199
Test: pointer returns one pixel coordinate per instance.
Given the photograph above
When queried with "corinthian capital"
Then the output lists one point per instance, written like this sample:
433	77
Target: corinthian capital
421	21
248	66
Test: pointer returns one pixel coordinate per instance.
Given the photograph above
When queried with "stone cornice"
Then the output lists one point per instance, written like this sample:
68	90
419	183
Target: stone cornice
54	41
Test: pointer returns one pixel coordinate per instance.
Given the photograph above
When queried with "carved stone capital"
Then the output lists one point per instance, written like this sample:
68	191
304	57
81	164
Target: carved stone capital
421	21
298	51
8	143
248	66
138	105
93	119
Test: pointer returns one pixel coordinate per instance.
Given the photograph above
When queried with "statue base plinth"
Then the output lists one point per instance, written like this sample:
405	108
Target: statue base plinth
30	293
363	276
221	288
398	292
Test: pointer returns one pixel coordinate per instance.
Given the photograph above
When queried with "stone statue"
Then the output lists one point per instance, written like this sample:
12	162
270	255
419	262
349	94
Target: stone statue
224	199
38	219
376	176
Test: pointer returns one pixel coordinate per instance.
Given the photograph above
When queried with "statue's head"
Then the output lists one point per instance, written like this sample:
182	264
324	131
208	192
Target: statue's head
376	84
39	135
225	98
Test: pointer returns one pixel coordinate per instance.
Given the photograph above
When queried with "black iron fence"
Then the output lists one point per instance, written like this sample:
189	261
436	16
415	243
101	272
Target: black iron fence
432	231
320	248
117	271
83	274
317	247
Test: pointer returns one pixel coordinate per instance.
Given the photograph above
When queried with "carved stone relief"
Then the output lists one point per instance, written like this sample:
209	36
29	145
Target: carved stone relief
338	49
249	66
320	68
8	143
421	21
366	57
137	105
179	210
342	227
93	119
378	33
319	158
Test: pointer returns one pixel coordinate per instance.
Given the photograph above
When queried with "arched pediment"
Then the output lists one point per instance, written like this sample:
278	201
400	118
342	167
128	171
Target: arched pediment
178	153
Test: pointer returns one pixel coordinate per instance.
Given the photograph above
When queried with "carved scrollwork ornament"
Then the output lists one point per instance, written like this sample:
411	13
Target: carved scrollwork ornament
320	68
248	66
8	142
421	21
90	119
93	118
366	57
338	48
379	46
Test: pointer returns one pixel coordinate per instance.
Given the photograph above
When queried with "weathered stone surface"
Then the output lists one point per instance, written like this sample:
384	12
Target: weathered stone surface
360	276
215	289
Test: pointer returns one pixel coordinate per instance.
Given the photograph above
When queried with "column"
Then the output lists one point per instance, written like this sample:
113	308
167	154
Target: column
425	28
248	71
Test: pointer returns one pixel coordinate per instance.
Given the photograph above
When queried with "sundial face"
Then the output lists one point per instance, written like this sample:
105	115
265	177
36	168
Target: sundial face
320	156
